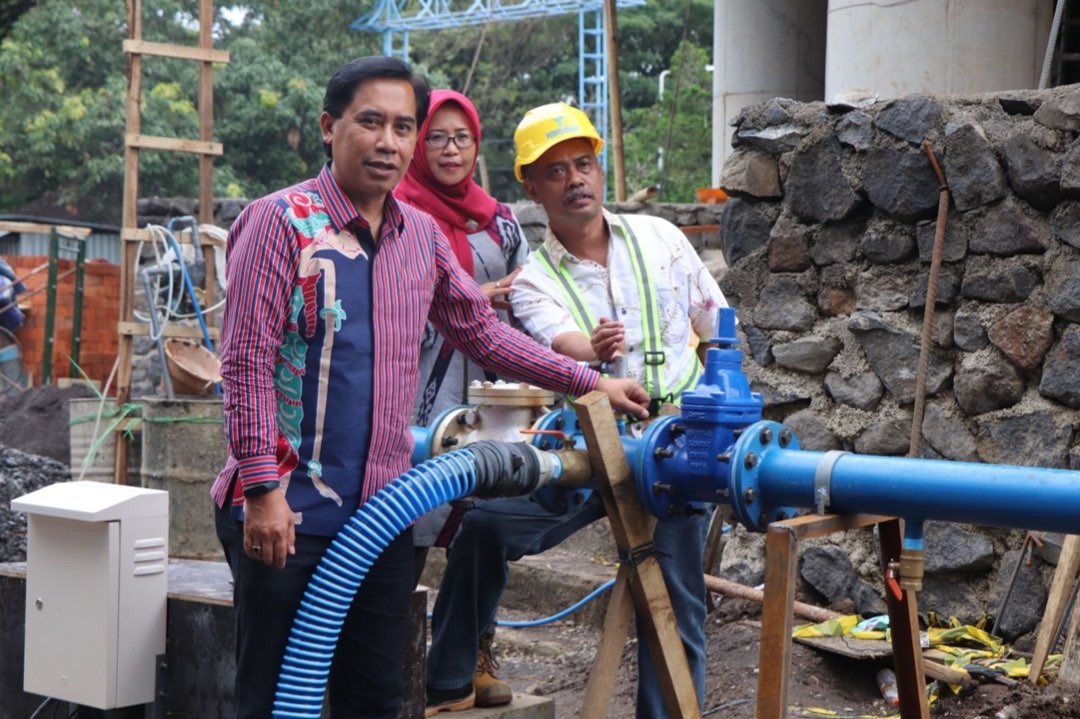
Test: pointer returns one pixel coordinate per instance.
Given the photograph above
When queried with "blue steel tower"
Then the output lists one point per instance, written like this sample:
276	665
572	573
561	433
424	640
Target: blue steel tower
395	19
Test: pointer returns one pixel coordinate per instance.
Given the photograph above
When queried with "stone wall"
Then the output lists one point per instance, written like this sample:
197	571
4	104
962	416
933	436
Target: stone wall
829	236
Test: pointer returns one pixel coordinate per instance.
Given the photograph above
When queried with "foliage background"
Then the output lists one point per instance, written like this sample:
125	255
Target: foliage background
63	92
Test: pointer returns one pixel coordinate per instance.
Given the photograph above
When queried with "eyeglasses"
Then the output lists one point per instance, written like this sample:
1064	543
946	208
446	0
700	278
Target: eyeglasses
439	140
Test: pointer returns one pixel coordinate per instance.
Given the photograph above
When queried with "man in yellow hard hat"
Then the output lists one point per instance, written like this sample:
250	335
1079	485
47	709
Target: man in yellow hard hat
601	288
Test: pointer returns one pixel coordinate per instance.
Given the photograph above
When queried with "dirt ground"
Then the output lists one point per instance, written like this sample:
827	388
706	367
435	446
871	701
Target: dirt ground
36	421
554	660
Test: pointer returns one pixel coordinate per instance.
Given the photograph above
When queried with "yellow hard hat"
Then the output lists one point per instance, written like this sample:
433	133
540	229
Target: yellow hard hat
546	126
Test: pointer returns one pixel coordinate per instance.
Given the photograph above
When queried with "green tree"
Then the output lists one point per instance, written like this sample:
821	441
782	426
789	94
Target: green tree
62	76
268	122
648	39
10	10
511	75
677	129
63	80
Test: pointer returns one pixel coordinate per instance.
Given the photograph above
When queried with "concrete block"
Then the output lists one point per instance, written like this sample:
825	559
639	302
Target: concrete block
183	449
524	706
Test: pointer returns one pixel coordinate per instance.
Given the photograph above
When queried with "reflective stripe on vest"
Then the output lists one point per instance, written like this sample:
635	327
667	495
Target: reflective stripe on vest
582	317
652	346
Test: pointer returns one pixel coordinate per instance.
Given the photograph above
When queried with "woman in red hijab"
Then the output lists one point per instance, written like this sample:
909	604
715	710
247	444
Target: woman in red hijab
490	246
486	237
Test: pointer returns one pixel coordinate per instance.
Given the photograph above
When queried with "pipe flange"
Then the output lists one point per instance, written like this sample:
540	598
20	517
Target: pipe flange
651	475
748	454
509	394
444	435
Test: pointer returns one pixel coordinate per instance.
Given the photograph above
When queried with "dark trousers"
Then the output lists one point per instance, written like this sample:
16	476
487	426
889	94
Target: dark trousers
365	678
497	531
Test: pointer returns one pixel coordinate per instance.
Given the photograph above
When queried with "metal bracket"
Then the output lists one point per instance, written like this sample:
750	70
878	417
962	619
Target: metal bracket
823	479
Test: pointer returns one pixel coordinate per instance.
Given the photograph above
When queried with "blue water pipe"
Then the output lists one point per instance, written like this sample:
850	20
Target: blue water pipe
559	614
720	450
769	471
562	613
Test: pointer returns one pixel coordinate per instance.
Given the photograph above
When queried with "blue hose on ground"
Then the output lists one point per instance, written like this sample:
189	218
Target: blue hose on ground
563	613
569	610
313	639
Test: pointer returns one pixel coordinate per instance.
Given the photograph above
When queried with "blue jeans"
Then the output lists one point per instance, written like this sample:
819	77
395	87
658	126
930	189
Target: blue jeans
497	531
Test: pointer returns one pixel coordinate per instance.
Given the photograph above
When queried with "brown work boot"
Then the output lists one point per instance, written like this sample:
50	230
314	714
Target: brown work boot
490	690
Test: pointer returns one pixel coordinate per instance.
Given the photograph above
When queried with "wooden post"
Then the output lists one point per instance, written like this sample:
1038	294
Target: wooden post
1068	677
134	143
781	561
904	630
601	685
1060	589
206	134
774	664
714	545
611	23
129	223
633	530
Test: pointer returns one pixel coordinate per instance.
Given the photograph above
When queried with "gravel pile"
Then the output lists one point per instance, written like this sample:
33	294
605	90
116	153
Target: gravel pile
22	473
35	448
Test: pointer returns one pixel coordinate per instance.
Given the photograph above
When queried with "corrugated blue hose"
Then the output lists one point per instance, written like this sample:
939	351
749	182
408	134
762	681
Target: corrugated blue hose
330	592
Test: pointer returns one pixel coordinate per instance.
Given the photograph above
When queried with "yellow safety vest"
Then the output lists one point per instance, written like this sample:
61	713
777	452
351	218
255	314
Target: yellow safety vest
654	353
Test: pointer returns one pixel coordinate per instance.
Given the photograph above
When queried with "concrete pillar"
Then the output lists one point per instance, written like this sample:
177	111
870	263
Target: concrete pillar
761	50
943	47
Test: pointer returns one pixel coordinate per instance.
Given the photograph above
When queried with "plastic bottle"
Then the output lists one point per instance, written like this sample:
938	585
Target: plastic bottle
886	681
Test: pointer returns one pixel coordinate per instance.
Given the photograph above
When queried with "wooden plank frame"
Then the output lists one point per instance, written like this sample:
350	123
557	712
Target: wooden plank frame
1061	590
134	143
632	528
777	622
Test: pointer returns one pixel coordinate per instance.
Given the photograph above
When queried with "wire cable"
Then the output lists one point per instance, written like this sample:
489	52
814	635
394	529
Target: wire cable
166	299
675	97
190	287
41	707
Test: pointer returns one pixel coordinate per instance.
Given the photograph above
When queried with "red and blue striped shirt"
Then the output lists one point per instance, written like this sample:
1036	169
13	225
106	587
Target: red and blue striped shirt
320	345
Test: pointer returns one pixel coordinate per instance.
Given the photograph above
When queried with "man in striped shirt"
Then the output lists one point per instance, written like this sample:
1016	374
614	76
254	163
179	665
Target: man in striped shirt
600	287
331	282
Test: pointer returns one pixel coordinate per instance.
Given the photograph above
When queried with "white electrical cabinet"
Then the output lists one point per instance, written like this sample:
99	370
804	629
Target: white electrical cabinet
96	583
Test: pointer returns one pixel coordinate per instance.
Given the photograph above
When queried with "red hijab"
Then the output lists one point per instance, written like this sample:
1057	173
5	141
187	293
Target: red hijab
459	209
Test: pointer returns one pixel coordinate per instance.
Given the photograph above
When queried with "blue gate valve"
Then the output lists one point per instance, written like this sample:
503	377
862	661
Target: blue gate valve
681	467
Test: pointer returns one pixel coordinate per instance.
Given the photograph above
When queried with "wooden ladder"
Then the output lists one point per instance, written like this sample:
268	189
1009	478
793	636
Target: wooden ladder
134	143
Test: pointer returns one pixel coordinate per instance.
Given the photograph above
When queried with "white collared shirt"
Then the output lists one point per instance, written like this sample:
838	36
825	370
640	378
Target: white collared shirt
688	298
